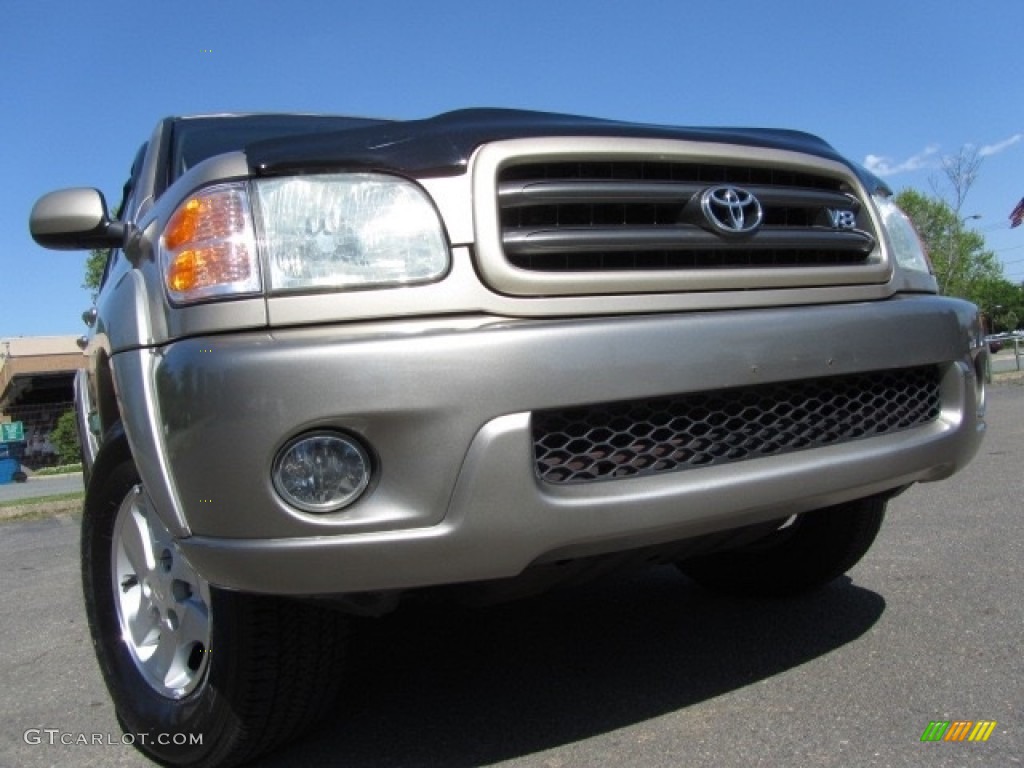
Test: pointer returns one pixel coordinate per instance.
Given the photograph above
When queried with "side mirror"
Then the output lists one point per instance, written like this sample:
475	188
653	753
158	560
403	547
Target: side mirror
74	219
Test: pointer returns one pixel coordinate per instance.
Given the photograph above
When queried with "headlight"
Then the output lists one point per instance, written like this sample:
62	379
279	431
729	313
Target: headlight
323	232
903	239
349	231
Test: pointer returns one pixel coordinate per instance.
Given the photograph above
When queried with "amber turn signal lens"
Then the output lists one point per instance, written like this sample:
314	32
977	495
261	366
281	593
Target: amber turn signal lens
182	273
209	247
183	224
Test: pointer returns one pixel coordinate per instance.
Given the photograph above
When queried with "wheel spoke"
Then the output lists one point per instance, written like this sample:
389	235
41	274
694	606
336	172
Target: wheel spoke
136	543
159	664
182	571
159	536
195	624
142	622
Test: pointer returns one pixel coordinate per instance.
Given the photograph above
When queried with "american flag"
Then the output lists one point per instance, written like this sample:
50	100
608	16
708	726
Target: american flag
1017	214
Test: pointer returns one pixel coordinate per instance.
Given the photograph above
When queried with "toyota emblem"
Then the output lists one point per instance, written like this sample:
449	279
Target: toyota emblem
731	211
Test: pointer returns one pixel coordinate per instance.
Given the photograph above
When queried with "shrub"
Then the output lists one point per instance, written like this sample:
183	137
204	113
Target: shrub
65	439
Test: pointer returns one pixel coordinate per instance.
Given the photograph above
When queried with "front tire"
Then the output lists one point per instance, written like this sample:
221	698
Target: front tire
199	676
816	548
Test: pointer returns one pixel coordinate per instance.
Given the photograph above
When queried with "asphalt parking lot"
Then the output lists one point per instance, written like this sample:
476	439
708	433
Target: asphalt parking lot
645	670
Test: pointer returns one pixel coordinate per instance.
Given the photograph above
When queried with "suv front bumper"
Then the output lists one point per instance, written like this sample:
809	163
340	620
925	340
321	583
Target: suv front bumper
445	408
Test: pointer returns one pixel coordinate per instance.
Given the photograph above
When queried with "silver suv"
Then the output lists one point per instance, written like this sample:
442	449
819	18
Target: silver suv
335	360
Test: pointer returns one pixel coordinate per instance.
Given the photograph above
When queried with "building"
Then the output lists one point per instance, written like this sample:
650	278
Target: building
36	386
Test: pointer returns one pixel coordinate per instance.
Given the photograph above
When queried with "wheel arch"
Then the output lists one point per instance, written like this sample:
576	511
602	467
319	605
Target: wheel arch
106	396
112	453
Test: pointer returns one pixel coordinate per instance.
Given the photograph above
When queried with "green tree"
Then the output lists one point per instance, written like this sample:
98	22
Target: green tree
1006	321
95	263
65	439
1002	303
94	266
963	266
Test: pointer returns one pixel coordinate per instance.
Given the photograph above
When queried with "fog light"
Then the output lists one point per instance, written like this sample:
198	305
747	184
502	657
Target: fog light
321	472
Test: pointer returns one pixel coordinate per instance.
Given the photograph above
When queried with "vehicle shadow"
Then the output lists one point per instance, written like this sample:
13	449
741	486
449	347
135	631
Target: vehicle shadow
451	686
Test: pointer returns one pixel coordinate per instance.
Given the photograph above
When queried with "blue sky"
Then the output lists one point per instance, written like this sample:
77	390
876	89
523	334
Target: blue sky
894	85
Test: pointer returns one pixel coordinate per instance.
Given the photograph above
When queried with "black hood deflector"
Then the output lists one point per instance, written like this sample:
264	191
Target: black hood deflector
442	145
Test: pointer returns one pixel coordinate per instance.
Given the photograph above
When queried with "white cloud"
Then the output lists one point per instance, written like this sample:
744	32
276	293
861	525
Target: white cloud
886	166
929	157
994	149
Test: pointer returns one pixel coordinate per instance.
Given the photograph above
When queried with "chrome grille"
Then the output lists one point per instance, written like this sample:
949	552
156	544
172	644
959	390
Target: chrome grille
614	216
643	437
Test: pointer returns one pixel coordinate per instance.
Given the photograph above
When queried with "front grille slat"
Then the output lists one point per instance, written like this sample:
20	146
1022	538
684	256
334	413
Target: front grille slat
643	437
525	242
518	194
568	211
568	192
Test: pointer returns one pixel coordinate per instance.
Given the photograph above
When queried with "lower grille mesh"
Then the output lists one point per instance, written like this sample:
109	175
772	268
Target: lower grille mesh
643	437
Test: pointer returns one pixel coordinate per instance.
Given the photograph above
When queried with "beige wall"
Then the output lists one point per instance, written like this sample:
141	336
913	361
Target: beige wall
26	356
